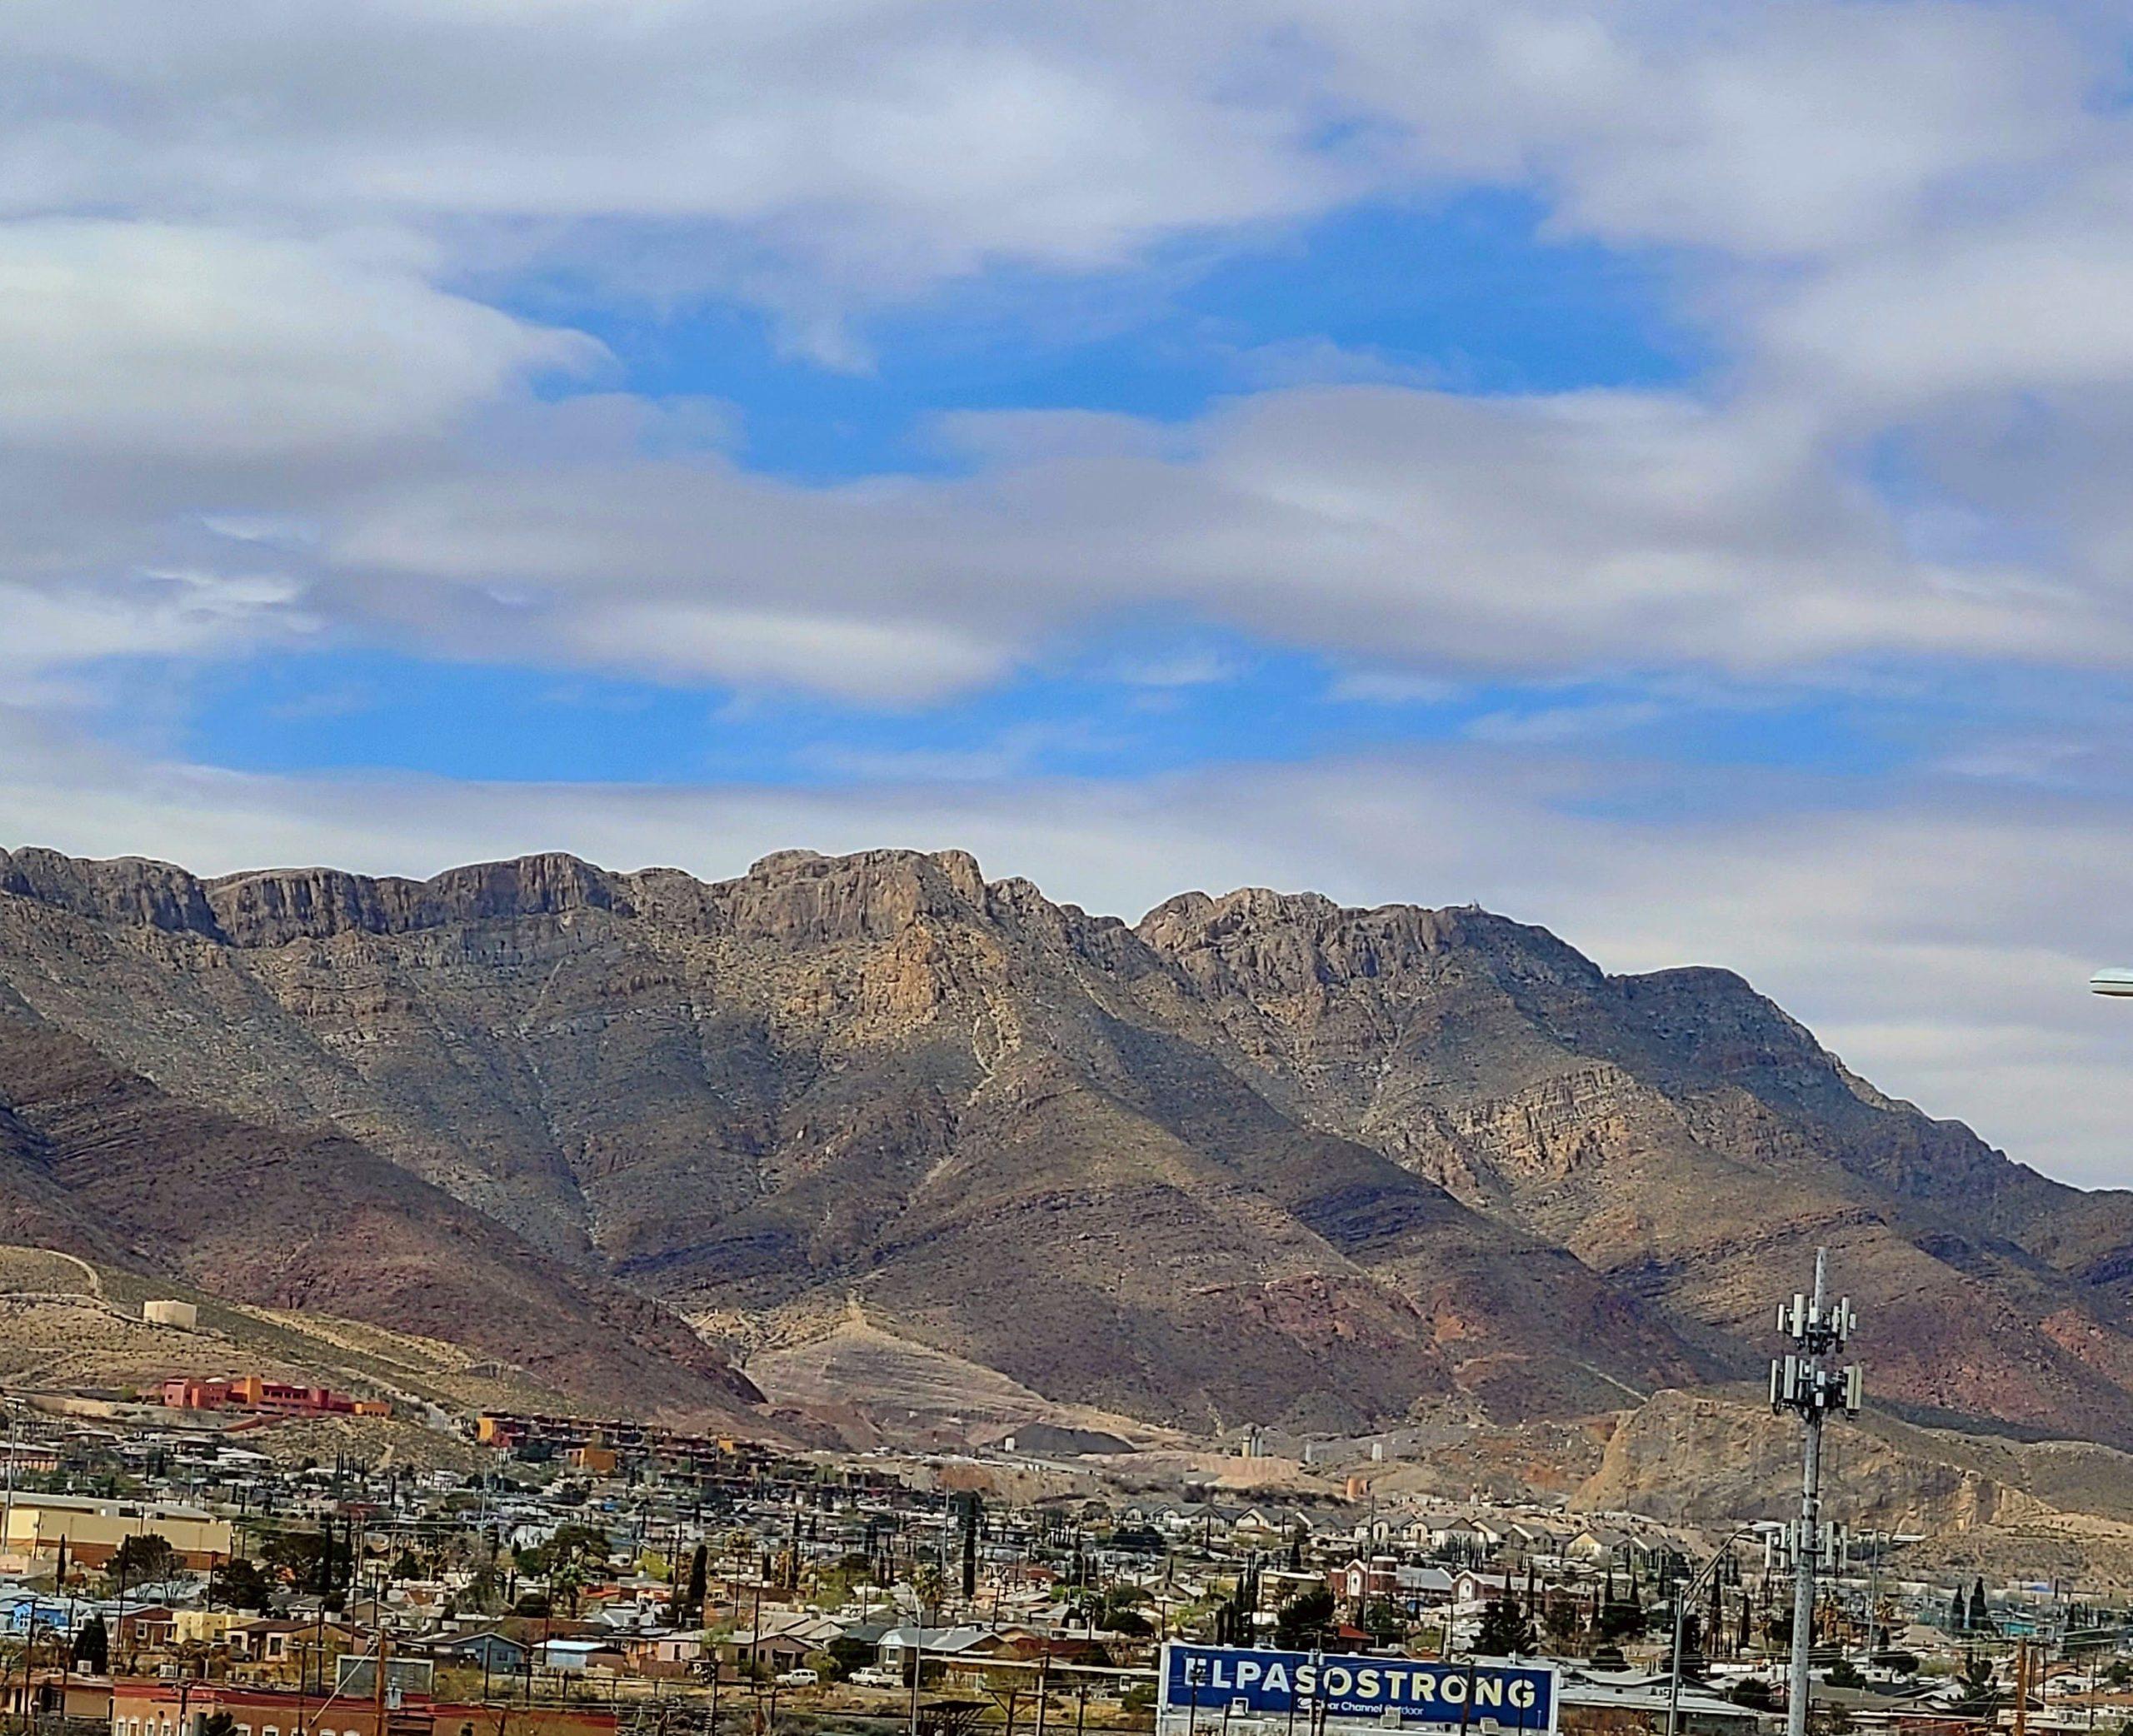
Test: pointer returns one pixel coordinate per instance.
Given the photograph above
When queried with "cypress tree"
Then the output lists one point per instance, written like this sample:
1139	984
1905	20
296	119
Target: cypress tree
699	1571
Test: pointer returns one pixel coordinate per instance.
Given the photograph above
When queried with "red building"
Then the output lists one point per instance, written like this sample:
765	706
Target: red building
144	1707
275	1398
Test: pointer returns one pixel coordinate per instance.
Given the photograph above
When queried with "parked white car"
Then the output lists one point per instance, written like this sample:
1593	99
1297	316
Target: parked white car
798	1678
871	1676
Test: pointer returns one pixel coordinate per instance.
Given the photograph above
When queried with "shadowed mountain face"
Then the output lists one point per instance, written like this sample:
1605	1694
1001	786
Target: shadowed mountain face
1259	1158
99	1162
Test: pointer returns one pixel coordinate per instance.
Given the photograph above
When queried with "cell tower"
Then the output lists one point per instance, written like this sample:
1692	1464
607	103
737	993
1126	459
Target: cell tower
1803	1380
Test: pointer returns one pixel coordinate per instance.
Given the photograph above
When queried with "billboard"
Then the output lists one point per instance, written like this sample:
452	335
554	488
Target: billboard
1218	1681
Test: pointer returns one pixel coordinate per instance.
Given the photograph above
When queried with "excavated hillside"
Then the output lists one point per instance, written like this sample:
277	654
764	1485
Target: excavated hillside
1260	1157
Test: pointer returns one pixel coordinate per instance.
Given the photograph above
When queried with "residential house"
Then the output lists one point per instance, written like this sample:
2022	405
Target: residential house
494	1653
953	1646
1601	1545
663	1653
582	1657
151	1627
1470	1586
270	1639
1364	1580
781	1643
1423	1587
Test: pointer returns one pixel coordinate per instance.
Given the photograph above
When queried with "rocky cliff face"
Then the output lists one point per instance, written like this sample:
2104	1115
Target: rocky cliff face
1258	1156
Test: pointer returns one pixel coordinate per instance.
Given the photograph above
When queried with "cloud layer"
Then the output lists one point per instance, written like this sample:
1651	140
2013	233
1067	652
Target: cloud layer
243	277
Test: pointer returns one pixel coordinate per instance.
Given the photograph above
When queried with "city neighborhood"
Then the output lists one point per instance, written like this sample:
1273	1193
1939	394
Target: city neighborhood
573	1576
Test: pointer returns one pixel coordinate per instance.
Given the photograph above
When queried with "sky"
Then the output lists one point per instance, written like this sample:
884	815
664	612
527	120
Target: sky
1654	469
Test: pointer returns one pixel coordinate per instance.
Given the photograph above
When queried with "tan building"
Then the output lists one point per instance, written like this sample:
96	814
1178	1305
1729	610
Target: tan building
204	1627
93	1528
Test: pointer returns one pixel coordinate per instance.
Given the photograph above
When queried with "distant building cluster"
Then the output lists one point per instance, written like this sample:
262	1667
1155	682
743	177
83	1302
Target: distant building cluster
272	1398
602	1447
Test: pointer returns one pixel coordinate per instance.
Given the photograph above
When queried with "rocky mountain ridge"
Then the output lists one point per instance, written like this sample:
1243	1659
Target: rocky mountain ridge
1257	1157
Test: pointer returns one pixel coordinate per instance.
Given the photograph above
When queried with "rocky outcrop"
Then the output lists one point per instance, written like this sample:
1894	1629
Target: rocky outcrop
127	892
1701	1458
274	908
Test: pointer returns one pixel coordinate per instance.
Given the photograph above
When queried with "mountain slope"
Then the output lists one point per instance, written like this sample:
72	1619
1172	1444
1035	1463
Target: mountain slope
99	1162
1677	1132
1259	1157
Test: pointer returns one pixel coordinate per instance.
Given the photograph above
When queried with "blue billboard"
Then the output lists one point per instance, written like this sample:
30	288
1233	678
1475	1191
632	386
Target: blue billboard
1219	1681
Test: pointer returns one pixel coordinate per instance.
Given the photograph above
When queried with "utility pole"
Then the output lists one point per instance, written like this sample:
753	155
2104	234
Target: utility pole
1680	1624
1802	1381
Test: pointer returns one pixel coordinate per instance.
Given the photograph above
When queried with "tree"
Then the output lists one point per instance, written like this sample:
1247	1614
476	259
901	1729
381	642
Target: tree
484	1592
92	1647
1233	1617
239	1583
1980	1621
218	1724
1562	1618
1504	1631
1845	1673
1121	1613
971	1504
566	1580
575	1555
1299	1623
1116	1609
288	1555
143	1558
930	1588
1753	1692
689	1591
1980	1696
1692	1658
584	1547
1384	1620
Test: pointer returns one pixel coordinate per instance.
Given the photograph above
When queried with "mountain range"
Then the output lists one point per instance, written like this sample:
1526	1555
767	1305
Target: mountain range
660	1143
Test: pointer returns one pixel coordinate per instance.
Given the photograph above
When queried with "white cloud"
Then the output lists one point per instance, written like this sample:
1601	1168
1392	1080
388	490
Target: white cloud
201	345
171	613
1560	534
2009	309
1389	688
882	143
876	145
886	662
1557	725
